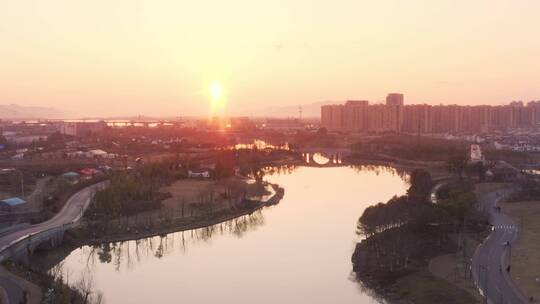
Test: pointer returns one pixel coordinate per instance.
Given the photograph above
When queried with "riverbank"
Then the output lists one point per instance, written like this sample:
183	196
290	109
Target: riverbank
85	235
409	280
409	239
199	254
38	273
39	286
437	169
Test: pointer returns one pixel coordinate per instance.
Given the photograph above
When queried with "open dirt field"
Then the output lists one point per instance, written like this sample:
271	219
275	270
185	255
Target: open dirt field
187	191
526	252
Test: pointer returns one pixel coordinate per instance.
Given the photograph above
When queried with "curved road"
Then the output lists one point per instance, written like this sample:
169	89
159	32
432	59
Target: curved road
439	182
70	213
490	262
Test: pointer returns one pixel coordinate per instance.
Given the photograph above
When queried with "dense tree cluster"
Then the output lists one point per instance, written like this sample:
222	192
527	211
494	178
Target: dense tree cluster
126	195
421	184
132	192
409	230
412	147
137	191
416	209
459	204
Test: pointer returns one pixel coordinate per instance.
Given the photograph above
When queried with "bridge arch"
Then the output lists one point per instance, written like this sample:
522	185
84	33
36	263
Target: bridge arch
324	157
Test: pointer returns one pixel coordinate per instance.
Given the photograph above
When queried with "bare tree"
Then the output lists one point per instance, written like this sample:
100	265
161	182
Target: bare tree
99	298
85	286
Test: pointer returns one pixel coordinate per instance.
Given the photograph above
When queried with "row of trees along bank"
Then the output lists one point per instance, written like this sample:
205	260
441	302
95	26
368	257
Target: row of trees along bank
137	191
403	234
140	191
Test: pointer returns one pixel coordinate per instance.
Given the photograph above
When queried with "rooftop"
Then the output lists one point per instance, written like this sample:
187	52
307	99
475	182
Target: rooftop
14	201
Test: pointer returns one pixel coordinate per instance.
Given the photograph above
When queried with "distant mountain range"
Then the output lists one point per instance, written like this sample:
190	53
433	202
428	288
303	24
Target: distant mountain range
311	110
14	111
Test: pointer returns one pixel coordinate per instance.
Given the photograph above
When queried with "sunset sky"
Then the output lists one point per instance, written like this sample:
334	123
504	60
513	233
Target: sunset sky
165	57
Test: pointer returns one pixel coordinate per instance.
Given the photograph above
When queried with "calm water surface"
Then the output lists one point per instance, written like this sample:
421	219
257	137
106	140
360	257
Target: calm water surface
298	251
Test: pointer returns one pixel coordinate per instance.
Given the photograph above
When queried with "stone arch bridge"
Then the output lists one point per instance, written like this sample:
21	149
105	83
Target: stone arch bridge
324	157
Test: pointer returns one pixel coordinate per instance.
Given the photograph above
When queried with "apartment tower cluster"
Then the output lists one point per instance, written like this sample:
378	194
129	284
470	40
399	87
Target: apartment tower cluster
394	116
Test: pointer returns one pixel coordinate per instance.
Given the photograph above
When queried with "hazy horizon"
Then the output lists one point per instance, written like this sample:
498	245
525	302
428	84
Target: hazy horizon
172	58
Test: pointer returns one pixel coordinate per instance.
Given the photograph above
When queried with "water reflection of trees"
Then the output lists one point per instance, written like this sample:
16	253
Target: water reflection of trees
127	254
284	169
378	169
381	169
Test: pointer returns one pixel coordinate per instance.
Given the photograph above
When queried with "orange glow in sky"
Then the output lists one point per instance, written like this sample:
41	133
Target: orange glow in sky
152	57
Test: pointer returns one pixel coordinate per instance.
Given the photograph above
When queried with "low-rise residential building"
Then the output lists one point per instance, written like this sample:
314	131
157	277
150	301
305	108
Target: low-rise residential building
82	128
11	204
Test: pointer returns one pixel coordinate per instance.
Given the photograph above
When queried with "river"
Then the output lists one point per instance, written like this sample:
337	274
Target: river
298	251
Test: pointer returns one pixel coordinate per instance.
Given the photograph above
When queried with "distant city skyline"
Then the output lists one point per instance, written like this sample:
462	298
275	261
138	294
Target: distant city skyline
160	58
311	110
396	116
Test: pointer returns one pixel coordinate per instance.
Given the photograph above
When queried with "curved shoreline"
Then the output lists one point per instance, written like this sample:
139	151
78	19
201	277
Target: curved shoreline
278	193
222	216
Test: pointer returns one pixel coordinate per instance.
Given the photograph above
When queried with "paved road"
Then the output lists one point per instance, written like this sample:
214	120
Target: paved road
70	213
490	262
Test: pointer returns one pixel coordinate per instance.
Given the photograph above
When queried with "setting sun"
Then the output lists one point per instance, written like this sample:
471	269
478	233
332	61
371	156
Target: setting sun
217	98
216	91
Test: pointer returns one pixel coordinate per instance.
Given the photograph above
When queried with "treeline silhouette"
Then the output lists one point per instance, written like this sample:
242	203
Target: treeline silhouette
403	234
132	192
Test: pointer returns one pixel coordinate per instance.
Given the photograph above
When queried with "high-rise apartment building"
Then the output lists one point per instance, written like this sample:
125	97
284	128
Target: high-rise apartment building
355	115
332	117
359	116
384	118
417	119
394	99
350	117
535	106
